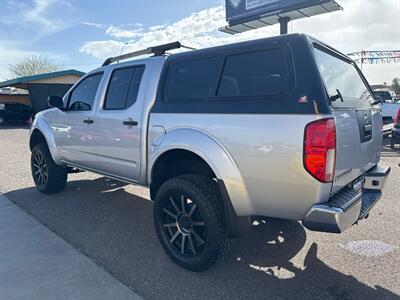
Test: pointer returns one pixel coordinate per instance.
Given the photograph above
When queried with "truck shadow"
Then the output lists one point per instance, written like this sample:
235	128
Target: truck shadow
114	227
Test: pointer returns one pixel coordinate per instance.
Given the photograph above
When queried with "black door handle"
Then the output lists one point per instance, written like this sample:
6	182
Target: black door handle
129	123
88	121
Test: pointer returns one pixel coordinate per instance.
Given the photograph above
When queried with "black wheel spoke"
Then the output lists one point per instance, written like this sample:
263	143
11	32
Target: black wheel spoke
40	179
192	210
174	236
197	223
192	244
183	204
198	237
170	225
174	205
183	244
170	213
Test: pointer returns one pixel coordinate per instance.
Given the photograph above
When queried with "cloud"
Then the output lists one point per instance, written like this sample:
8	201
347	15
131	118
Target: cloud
356	28
97	25
121	33
102	49
39	16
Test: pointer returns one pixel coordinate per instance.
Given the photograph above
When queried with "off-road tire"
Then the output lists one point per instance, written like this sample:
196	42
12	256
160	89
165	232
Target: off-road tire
56	176
203	192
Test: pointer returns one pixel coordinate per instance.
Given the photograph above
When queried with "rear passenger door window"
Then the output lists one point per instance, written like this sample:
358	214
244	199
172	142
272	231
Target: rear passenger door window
123	88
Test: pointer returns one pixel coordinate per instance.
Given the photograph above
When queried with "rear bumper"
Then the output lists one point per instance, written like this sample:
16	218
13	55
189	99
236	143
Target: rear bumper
348	206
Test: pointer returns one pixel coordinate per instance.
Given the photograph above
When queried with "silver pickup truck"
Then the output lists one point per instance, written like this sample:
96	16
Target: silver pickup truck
284	127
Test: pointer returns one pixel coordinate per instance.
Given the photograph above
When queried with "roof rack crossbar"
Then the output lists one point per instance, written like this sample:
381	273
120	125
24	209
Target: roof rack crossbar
156	50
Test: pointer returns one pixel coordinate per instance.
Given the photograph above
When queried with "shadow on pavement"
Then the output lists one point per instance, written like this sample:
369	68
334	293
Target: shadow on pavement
115	229
13	126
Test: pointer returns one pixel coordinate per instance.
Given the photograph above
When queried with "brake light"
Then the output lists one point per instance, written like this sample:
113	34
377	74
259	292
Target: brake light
397	119
320	149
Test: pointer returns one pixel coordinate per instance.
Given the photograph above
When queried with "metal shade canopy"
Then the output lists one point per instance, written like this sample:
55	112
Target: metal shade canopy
268	14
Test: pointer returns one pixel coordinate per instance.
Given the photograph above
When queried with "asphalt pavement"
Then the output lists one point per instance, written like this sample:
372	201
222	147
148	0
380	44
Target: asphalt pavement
37	264
111	223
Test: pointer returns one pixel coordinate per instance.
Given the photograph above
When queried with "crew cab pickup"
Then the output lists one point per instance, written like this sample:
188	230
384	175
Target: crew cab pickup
284	127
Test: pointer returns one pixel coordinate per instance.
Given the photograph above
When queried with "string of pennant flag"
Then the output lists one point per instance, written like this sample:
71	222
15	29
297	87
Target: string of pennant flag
376	57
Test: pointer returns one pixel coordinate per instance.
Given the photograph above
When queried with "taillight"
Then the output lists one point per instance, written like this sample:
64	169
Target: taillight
397	119
320	149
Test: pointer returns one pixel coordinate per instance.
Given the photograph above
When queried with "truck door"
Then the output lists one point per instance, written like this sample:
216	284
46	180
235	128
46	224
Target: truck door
118	123
73	128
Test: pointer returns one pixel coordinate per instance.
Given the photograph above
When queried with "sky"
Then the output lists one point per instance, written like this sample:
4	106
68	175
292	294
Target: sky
80	34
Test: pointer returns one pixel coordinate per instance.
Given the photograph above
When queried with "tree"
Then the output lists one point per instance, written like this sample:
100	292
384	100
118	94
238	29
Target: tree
396	85
33	65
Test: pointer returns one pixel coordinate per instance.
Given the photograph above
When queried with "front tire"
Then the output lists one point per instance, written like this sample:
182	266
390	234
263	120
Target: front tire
49	177
188	218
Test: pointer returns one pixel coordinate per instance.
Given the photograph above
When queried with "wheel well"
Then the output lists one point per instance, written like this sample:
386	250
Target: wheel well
36	138
174	163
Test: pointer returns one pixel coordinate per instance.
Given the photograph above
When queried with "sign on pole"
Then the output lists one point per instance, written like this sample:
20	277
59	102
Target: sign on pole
245	15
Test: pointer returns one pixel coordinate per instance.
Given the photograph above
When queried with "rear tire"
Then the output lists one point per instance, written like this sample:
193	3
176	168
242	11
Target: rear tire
49	177
188	218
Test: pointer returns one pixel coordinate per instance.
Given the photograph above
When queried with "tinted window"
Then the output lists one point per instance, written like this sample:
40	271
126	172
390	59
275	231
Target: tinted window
343	76
83	96
134	86
194	79
118	89
123	88
255	74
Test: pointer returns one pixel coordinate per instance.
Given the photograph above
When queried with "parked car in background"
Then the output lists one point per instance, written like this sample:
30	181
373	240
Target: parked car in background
11	112
396	130
385	96
389	106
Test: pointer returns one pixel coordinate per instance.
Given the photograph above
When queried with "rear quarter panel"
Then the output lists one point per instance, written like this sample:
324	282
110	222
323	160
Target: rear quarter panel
268	152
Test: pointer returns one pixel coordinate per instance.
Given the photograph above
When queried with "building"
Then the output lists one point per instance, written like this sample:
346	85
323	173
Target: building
34	90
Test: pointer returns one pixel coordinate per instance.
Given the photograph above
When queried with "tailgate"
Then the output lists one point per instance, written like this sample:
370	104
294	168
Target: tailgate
359	142
358	119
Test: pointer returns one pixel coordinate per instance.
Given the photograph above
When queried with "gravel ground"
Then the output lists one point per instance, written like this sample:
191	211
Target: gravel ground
111	223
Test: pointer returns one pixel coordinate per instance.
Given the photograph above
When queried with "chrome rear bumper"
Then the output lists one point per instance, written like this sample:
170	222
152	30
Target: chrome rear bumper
348	206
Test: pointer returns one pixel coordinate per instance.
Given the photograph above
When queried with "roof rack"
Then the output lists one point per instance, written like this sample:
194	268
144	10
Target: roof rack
156	50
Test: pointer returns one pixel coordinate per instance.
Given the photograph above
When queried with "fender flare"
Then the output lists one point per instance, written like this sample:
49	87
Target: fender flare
44	128
213	153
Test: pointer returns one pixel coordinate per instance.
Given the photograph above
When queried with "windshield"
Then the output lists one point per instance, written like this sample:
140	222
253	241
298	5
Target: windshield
341	77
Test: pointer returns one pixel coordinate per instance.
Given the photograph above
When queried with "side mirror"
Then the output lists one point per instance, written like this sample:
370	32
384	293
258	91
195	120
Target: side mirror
55	101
